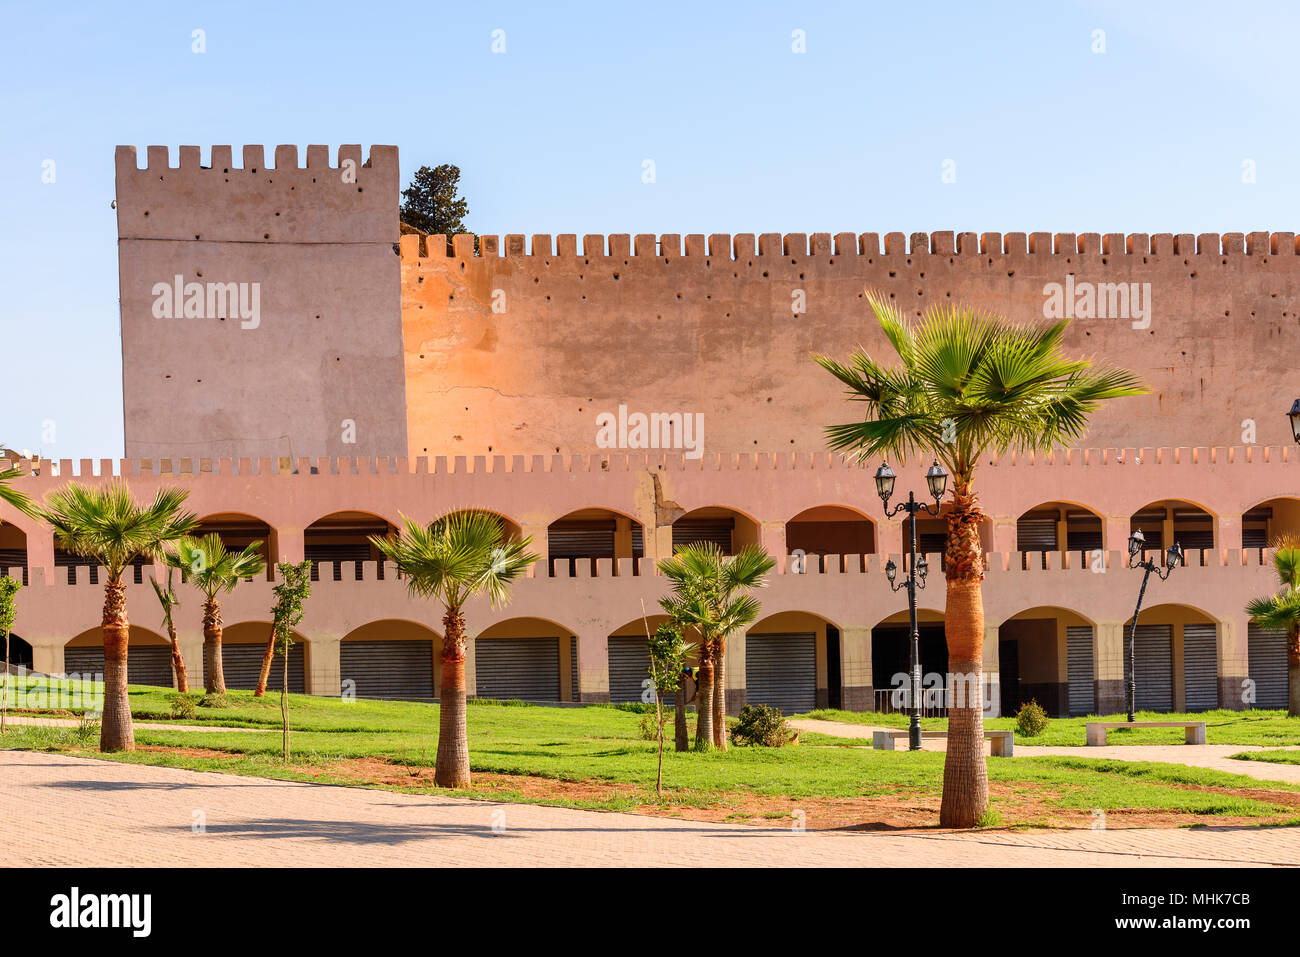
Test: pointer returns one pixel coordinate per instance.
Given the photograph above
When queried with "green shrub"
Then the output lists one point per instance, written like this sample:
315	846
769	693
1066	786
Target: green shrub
215	701
183	706
761	725
1031	720
86	733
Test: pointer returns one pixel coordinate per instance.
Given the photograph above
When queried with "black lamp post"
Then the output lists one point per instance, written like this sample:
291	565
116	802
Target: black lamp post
936	477
1294	416
1173	558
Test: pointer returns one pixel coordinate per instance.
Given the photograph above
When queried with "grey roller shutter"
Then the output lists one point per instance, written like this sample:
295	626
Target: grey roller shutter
781	671
524	668
1079	668
581	539
242	664
629	666
1155	670
688	531
145	664
1268	666
345	555
1200	667
1036	533
574	690
388	669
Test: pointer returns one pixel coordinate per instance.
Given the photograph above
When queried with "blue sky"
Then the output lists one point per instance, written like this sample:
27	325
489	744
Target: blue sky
746	135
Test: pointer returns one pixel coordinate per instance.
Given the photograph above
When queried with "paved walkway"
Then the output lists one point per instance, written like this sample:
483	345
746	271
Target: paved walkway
1216	757
64	811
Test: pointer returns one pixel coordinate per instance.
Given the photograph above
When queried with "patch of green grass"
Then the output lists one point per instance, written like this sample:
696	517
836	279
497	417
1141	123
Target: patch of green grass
1265	728
605	744
1270	757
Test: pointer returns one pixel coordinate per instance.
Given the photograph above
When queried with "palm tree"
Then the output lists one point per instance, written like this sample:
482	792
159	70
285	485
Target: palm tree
452	560
105	523
1281	612
970	384
708	593
11	496
204	562
167	598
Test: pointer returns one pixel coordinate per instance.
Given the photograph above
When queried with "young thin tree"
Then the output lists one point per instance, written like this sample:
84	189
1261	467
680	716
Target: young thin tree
167	598
8	612
106	524
969	385
451	560
710	593
205	563
290	598
667	651
1281	612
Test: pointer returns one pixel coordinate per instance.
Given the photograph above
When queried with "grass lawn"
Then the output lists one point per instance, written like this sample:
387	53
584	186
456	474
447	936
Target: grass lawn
1265	728
595	757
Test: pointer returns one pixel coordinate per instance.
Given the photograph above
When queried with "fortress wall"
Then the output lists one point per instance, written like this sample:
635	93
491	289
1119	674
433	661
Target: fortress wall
705	324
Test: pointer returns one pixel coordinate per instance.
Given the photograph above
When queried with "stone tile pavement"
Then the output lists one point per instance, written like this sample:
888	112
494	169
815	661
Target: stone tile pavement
63	811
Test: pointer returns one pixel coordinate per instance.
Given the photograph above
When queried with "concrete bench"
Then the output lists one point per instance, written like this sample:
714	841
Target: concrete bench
1002	743
1194	731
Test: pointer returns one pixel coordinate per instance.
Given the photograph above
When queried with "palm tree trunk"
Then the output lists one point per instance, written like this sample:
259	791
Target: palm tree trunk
720	693
214	679
704	701
265	674
115	730
965	773
178	660
452	768
1293	669
681	739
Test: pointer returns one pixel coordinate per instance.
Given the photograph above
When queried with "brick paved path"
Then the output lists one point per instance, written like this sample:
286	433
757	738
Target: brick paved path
59	810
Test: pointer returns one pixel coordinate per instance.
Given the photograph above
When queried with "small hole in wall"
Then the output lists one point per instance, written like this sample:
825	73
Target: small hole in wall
167	376
266	235
764	271
359	189
146	212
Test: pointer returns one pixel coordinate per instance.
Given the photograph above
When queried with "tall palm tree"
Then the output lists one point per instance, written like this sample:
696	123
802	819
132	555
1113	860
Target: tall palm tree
205	563
452	560
105	523
1282	612
709	593
970	384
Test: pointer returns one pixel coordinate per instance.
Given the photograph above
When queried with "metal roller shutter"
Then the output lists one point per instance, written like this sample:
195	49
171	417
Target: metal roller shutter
1200	667
388	669
242	664
629	666
524	668
1155	669
688	531
345	555
581	539
1036	532
781	671
574	690
145	664
1079	669
1268	666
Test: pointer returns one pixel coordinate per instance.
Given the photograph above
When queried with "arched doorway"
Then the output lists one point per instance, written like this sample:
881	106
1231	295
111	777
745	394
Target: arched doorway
21	654
342	539
1176	651
729	529
1057	527
1168	521
1045	654
831	530
589	534
791	663
529	659
392	658
148	657
243	645
891	662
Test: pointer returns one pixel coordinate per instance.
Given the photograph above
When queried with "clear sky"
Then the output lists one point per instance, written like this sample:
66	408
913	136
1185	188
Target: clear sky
746	134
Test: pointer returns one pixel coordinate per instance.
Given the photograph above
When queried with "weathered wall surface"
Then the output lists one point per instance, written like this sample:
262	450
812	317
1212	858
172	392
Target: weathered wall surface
582	327
323	348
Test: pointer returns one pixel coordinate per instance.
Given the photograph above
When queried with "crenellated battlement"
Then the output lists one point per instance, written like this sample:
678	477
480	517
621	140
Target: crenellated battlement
253	159
38	470
744	246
